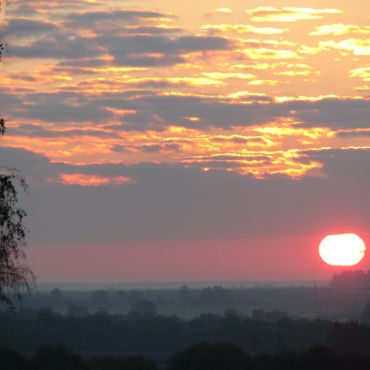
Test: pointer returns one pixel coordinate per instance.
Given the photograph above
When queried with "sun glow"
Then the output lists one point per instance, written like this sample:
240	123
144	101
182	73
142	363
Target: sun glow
342	249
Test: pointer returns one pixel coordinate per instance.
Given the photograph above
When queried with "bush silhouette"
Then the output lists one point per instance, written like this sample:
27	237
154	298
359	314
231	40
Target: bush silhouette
129	363
56	358
207	356
11	360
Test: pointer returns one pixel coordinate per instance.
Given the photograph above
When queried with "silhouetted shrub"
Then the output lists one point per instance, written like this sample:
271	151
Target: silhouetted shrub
207	356
128	363
349	337
11	360
56	358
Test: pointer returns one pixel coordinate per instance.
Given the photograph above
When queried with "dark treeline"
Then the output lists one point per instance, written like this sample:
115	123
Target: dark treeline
59	358
338	302
203	356
344	298
154	335
357	279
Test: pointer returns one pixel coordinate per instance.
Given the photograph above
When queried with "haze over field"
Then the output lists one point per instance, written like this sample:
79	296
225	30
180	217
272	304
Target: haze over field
187	141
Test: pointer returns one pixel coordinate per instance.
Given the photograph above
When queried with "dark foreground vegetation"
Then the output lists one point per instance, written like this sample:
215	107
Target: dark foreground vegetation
204	356
159	337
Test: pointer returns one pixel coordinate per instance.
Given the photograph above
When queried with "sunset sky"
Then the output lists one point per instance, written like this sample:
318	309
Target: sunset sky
192	140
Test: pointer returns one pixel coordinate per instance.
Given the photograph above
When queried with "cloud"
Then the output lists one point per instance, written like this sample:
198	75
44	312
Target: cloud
226	75
172	202
209	111
37	131
117	83
154	44
287	14
352	133
151	148
23	27
95	19
239	139
271	54
359	47
118	148
62	107
49	6
143	110
67	45
152	30
91	180
263	82
362	72
124	37
244	28
162	147
339	29
335	113
214	112
205	80
224	10
350	165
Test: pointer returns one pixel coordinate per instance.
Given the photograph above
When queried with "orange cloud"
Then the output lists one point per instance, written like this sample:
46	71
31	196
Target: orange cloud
263	83
287	14
359	47
340	29
266	53
362	72
243	28
224	10
207	80
92	180
227	75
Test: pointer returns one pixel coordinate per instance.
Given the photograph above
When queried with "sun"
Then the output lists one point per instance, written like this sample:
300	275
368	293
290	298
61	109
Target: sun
342	249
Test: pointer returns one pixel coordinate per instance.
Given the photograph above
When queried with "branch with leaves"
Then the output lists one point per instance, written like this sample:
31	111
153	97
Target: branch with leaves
15	276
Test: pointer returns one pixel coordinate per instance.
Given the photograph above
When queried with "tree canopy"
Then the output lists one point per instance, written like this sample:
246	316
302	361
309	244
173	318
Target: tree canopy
14	274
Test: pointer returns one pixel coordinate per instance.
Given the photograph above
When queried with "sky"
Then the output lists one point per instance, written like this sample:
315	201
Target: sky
197	140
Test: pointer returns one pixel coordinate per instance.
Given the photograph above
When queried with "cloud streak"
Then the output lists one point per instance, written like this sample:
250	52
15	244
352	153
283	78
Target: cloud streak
287	14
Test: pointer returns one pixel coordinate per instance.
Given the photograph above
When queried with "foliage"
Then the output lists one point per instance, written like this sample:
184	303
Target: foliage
128	363
11	360
14	274
154	334
2	126
2	40
207	356
365	314
2	48
57	358
204	356
349	337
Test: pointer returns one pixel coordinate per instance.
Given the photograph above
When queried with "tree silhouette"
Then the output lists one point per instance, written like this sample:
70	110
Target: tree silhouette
2	126
128	363
14	274
57	358
11	360
2	48
210	356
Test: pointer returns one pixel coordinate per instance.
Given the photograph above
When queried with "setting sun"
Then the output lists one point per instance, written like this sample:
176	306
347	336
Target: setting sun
342	249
